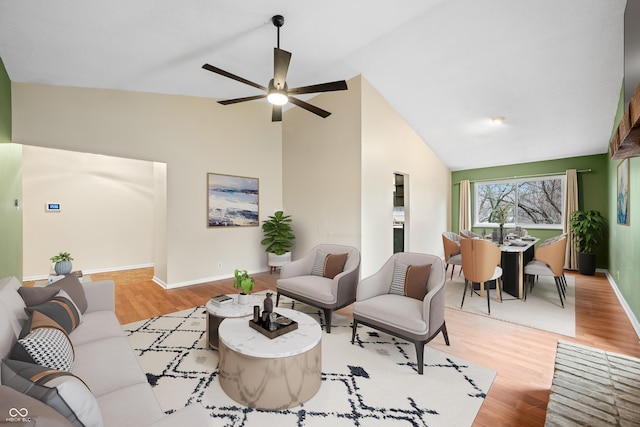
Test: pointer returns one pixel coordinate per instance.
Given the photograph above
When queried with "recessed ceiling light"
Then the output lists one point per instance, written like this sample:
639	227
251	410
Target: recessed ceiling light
498	120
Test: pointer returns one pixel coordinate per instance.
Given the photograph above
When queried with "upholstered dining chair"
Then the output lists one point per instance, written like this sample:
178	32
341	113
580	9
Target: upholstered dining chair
468	234
326	278
451	244
548	260
405	298
480	260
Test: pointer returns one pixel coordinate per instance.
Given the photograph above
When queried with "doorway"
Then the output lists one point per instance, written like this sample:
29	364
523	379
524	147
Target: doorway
400	217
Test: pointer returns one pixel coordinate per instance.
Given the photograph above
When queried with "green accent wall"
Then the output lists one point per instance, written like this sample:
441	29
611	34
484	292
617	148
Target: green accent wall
593	189
10	187
623	239
5	105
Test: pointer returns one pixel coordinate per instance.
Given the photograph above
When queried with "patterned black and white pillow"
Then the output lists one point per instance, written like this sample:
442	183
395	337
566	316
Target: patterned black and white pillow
318	264
49	347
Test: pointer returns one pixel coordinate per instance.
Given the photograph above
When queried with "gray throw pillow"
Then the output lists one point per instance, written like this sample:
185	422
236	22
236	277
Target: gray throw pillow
70	284
16	405
397	280
61	390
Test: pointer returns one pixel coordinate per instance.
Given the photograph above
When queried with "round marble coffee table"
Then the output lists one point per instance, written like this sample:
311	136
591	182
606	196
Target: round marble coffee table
216	314
265	373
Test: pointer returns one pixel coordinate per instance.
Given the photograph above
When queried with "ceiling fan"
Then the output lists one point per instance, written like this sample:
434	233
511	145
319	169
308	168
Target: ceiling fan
277	92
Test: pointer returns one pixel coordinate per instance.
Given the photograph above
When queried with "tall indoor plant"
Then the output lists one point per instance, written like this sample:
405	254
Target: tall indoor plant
587	228
278	238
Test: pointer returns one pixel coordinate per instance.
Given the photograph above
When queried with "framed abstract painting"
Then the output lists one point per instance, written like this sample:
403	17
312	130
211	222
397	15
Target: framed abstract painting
622	198
232	201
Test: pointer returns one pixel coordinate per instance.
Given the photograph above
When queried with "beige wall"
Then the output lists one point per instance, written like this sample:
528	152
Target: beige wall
338	176
321	170
390	146
192	136
107	214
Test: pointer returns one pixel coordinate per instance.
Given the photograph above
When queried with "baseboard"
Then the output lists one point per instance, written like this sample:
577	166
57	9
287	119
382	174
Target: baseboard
92	271
198	281
623	303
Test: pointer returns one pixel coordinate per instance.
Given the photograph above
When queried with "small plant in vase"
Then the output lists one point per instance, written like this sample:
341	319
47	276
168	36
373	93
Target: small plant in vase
500	214
63	263
244	282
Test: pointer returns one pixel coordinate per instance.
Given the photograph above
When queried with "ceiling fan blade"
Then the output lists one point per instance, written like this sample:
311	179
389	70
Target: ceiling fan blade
236	100
281	59
322	87
312	108
276	113
232	76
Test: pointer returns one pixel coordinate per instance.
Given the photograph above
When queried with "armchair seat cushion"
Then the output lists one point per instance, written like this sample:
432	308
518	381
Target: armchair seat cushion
317	288
393	311
537	268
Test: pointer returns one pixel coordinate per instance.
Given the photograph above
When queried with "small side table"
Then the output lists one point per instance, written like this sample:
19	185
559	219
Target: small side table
216	314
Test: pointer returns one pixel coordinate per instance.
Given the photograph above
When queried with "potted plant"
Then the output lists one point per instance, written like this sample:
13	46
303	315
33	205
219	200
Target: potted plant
244	282
278	239
587	227
500	214
63	263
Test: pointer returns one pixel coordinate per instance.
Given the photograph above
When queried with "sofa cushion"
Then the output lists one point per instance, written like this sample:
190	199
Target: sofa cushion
96	326
44	342
70	284
134	405
410	280
312	287
60	308
394	311
328	265
17	406
108	365
61	390
415	281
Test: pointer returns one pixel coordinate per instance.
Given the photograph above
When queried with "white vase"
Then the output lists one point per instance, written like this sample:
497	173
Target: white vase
243	299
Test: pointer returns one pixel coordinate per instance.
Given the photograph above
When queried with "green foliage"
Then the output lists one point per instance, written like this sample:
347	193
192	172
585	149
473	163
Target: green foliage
500	214
587	227
243	281
278	234
62	256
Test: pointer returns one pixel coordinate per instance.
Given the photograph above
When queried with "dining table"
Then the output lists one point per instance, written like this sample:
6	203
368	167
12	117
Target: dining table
516	253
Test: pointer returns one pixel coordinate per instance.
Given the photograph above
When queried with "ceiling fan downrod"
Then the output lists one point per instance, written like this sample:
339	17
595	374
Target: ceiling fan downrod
278	21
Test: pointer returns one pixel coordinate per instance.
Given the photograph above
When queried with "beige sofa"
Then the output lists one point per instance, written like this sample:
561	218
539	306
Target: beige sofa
104	360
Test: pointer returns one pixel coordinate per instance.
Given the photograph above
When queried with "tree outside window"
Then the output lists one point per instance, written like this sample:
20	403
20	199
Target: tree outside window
530	202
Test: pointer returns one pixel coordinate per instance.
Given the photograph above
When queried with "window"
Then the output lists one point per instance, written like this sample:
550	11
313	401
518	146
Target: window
529	202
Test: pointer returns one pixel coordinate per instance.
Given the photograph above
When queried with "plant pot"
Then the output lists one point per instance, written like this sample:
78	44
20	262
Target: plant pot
243	299
279	260
587	263
62	267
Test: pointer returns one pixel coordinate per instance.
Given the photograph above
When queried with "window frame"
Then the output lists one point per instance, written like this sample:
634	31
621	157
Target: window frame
515	182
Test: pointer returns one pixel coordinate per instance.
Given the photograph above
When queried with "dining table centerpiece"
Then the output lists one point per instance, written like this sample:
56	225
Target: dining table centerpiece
499	215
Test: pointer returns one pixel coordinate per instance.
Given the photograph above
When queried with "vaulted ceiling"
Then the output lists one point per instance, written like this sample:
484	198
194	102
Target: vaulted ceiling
552	68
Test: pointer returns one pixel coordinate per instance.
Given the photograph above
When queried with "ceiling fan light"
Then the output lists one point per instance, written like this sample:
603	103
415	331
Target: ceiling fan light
277	97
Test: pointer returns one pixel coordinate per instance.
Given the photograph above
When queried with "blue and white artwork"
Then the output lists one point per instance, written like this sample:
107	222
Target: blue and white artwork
232	201
623	193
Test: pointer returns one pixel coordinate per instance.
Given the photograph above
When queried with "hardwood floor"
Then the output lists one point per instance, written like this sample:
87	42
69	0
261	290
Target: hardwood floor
522	357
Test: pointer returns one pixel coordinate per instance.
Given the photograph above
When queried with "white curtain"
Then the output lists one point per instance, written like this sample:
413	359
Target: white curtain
465	206
570	205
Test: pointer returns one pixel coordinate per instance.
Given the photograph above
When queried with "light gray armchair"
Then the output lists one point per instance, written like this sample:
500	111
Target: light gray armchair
298	282
409	318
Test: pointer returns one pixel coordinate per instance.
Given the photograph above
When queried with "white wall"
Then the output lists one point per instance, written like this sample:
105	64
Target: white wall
105	201
321	170
192	136
338	177
389	145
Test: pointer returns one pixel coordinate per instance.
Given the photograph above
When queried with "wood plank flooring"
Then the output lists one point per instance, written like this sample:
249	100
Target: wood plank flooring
522	357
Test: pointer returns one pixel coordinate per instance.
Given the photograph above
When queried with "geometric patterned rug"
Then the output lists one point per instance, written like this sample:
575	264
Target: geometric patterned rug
373	382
